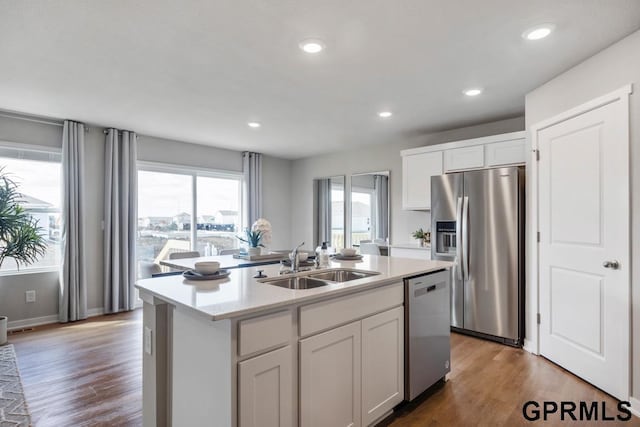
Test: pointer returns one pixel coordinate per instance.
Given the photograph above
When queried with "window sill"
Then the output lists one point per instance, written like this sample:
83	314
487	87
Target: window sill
9	273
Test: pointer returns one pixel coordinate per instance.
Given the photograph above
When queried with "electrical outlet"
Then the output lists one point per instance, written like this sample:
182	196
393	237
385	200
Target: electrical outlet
147	339
30	296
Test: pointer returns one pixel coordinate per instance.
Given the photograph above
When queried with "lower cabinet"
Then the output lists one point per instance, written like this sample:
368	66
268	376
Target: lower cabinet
354	374
265	390
382	363
330	368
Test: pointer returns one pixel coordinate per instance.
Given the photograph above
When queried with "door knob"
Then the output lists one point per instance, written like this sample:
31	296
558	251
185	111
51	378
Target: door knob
614	265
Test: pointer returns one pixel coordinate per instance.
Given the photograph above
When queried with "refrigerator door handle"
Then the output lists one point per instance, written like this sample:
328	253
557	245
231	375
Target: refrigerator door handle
458	265
465	238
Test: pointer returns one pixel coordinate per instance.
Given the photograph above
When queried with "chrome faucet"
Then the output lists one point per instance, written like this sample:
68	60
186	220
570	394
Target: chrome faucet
293	257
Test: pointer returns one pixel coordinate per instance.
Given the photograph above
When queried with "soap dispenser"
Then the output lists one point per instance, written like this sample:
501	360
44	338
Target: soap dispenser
323	262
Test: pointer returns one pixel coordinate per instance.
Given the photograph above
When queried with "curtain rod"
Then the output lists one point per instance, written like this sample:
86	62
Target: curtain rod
35	119
106	131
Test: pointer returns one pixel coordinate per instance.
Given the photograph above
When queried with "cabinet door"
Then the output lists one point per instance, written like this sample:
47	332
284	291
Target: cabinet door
330	365
417	170
464	158
382	363
506	153
265	390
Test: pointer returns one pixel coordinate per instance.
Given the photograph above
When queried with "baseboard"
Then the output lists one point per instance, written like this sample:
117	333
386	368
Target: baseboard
529	346
30	323
45	320
635	406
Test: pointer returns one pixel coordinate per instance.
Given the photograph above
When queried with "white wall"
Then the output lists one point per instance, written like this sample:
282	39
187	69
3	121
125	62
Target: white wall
276	176
373	159
605	72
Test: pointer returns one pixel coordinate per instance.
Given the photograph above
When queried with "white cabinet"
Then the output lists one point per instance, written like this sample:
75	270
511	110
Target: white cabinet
354	374
417	170
382	363
265	390
464	158
330	369
506	153
420	164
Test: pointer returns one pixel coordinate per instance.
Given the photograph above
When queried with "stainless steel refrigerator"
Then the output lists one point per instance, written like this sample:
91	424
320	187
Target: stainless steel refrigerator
477	221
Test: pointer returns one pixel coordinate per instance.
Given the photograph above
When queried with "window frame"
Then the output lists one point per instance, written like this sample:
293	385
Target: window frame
194	173
34	148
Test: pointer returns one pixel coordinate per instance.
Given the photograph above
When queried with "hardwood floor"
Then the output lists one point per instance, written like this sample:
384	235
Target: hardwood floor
89	374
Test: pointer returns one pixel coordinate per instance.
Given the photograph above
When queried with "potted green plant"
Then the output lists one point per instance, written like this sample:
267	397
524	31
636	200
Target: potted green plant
420	235
20	236
253	238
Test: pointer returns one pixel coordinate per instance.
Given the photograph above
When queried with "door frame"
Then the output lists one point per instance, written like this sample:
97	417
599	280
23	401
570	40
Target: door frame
532	343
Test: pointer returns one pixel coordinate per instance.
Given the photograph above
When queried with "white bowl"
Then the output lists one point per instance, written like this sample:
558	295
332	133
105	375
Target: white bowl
347	251
207	267
302	256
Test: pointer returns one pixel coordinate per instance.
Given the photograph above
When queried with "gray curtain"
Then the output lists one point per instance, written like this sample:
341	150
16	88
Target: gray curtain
323	211
381	186
120	213
252	170
72	304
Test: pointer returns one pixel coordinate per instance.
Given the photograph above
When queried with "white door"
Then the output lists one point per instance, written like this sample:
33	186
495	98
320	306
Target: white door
382	363
266	390
584	259
330	368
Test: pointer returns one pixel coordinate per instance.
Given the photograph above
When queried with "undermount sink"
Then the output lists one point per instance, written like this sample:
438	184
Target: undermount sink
297	282
321	278
342	275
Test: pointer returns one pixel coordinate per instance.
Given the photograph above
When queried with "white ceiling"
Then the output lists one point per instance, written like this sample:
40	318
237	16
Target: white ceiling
198	71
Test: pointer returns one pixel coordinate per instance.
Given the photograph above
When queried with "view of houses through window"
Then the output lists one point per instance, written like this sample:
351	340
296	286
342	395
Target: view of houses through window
170	202
39	180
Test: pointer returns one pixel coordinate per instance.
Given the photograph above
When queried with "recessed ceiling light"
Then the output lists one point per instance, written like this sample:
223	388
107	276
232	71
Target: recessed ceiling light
385	114
254	125
472	92
538	32
312	45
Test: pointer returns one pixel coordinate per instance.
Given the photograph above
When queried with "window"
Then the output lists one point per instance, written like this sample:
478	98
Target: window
37	172
171	200
361	214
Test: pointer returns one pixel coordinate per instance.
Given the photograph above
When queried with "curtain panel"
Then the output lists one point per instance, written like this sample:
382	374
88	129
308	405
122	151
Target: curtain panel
323	211
252	194
72	303
120	213
381	185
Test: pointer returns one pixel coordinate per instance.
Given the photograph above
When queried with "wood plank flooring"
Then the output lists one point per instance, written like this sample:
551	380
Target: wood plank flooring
89	374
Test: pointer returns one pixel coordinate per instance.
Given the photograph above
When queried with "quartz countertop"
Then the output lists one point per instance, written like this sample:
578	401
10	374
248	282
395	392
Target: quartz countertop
240	294
426	247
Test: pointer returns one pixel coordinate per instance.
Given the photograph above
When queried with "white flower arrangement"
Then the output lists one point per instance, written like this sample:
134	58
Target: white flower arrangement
264	227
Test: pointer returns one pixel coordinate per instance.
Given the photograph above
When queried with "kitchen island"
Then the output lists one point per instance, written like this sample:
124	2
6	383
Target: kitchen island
242	352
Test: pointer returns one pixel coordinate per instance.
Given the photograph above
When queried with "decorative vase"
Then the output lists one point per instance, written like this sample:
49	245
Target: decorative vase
3	330
421	242
254	251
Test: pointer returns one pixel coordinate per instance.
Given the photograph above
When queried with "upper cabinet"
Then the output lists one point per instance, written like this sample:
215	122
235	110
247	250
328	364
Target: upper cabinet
417	170
420	164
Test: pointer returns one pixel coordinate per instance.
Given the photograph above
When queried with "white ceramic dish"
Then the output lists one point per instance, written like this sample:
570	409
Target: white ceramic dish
207	267
347	252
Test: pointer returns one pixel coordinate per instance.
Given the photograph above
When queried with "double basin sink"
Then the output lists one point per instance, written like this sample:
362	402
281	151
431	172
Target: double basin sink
320	278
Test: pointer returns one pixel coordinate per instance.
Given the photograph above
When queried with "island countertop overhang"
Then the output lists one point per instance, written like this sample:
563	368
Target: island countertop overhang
241	294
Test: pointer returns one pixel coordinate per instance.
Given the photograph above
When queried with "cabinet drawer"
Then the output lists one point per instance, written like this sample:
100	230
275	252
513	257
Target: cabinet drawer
264	332
329	314
464	158
506	153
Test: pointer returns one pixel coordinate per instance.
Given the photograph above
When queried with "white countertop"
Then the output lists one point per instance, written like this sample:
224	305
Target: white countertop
426	247
241	294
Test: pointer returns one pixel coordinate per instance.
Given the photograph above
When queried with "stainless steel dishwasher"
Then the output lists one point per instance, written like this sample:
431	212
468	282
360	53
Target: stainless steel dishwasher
427	331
